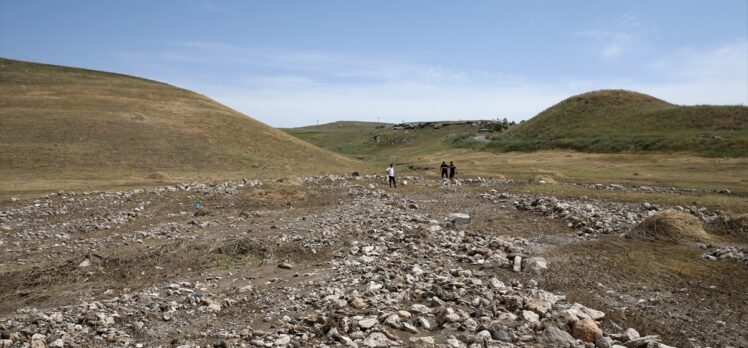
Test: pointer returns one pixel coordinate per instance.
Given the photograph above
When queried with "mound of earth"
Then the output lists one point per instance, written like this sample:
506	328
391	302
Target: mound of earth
671	226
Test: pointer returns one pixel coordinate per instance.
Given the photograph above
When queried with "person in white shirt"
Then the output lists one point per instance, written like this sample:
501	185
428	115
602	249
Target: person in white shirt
391	176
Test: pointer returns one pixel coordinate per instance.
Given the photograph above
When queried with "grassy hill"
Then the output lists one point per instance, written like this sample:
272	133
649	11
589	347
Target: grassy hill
617	120
383	142
60	124
599	121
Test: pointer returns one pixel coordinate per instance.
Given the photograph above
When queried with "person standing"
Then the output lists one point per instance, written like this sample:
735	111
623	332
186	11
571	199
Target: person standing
452	170
444	168
391	176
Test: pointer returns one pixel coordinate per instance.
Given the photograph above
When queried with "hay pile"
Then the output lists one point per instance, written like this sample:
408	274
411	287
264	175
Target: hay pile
671	226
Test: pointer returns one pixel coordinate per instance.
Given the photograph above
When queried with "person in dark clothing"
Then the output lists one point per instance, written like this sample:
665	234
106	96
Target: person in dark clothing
444	168
452	170
391	176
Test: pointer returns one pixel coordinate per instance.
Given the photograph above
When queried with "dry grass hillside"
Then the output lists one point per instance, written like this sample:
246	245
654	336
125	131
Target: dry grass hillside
68	127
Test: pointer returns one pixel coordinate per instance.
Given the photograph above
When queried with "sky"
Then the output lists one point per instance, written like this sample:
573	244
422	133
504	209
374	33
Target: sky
296	63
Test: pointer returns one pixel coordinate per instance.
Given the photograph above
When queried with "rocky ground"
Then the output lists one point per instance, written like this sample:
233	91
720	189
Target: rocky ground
328	261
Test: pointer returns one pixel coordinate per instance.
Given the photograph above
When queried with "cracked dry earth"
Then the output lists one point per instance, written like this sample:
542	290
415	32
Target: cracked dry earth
341	261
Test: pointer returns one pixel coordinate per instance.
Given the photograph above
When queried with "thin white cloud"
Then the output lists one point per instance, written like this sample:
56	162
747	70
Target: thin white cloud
624	34
717	75
287	88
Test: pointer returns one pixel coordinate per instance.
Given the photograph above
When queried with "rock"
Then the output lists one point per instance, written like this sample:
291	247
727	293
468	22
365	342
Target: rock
495	283
536	265
630	334
284	340
405	326
458	220
378	339
586	330
285	265
6	343
517	263
555	337
393	321
85	263
500	332
584	312
642	342
530	316
448	316
454	342
540	307
497	260
424	323
358	303
426	341
470	324
38	341
483	335
603	342
420	309
367	323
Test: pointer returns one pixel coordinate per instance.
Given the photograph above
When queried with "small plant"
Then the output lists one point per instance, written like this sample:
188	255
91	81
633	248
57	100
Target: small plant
224	261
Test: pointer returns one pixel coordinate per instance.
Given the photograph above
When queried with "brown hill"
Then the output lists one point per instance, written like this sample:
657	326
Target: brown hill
69	125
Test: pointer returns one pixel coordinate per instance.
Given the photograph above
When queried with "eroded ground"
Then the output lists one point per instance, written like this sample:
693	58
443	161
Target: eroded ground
339	260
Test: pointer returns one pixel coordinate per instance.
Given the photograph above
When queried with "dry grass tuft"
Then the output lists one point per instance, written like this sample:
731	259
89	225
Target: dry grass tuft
671	226
159	176
734	226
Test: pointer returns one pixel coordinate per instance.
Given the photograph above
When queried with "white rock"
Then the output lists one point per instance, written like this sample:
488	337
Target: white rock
378	339
536	265
458	219
420	309
282	341
517	264
530	316
367	323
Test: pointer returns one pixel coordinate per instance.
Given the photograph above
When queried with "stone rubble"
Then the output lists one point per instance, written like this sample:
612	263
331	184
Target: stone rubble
399	277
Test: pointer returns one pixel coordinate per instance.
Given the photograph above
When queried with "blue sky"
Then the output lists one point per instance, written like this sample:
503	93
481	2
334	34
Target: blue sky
293	63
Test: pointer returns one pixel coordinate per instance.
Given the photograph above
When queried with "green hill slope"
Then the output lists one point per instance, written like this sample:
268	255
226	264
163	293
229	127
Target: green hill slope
62	123
617	120
387	142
